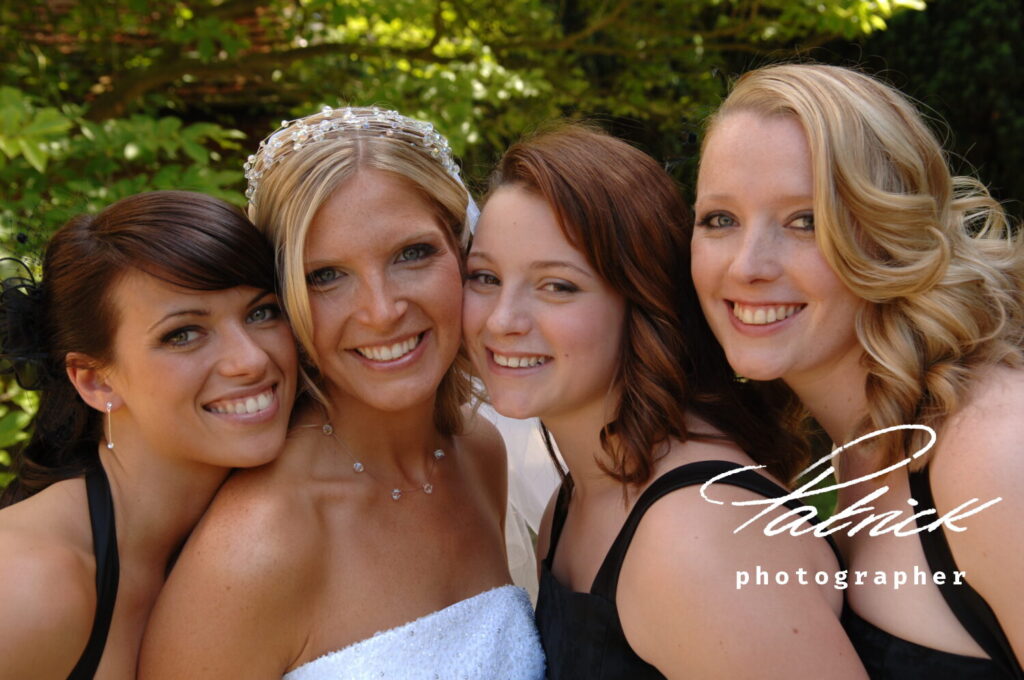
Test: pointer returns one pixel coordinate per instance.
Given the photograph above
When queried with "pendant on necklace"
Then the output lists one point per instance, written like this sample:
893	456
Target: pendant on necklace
396	494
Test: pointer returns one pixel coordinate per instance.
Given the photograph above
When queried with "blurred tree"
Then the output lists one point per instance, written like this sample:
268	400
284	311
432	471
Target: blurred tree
104	99
974	89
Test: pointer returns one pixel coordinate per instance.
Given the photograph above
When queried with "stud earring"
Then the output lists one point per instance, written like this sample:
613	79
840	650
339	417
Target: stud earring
110	427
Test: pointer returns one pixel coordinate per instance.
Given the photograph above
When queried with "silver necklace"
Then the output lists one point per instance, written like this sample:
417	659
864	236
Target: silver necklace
357	465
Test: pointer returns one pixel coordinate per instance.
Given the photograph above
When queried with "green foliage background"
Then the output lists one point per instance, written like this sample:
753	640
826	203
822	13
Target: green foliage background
100	100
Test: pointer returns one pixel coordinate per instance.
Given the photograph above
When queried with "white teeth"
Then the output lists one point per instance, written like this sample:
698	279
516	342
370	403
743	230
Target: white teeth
243	406
390	352
518	362
761	316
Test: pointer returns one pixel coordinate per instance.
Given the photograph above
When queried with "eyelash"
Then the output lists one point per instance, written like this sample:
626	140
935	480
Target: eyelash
315	278
560	287
273	309
804	216
709	221
484	278
413	253
489	279
421	251
185	334
713	221
169	338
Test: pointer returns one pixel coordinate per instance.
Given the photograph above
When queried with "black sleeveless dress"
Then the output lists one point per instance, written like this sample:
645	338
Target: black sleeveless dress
104	543
887	657
581	632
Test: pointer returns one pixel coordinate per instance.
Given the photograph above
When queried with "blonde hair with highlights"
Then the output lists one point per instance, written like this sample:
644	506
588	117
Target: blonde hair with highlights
293	190
933	255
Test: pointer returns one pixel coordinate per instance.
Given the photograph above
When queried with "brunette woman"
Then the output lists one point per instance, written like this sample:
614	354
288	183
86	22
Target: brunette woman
838	257
579	310
162	361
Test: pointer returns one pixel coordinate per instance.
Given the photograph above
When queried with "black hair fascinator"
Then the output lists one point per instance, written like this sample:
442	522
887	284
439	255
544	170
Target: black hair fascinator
23	347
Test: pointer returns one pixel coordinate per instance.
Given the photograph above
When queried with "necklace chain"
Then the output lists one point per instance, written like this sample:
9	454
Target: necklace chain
357	465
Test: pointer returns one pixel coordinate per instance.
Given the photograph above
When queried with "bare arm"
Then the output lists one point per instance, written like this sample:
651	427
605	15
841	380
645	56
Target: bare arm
683	611
233	605
488	449
981	456
47	603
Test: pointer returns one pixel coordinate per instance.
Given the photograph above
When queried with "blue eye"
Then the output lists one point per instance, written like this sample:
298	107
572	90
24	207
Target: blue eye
323	277
267	312
417	252
717	220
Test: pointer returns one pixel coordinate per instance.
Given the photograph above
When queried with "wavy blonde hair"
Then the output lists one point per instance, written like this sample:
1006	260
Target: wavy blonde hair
933	254
293	190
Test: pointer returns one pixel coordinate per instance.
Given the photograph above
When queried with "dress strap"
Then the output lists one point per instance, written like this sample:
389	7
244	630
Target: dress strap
104	543
966	603
558	519
607	580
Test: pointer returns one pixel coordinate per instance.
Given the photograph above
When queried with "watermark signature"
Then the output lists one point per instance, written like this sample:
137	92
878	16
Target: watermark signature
796	522
844	578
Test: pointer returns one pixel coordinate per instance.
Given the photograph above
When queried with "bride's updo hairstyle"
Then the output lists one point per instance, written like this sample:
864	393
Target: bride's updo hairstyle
187	239
298	168
932	255
625	215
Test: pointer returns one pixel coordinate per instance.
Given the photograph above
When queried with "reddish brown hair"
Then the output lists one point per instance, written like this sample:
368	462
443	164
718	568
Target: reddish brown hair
624	213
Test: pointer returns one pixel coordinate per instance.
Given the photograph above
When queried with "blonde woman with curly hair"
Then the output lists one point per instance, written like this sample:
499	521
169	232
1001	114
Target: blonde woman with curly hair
837	257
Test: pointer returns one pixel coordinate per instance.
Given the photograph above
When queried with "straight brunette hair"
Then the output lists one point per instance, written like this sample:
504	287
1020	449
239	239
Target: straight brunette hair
187	239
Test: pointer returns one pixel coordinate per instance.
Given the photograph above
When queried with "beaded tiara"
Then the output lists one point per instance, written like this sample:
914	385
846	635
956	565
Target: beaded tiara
330	123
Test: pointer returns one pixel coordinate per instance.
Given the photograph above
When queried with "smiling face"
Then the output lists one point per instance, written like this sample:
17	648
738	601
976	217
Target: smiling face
385	294
203	375
772	300
542	328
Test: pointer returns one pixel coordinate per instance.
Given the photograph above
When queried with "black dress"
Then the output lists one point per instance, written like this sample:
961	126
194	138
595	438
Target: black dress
104	543
581	632
887	657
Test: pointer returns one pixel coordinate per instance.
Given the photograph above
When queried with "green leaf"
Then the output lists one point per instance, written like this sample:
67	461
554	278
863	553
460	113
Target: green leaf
47	123
27	400
34	154
12	428
195	151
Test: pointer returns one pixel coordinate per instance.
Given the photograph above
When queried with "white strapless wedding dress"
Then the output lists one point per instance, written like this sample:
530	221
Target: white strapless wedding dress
490	636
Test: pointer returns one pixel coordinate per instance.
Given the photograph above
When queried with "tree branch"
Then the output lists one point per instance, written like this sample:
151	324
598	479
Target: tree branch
130	87
236	9
573	39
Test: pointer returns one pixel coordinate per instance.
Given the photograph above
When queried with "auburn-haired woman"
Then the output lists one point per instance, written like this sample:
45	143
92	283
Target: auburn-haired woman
373	547
579	310
163	361
836	256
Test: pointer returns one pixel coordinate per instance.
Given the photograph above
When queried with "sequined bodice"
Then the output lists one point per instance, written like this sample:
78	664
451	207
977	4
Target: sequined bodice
490	635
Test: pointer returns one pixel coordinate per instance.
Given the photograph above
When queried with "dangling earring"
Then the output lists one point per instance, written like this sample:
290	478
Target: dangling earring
110	427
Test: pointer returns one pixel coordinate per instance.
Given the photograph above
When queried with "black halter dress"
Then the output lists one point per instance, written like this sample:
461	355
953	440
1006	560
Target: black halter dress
888	657
581	632
104	542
